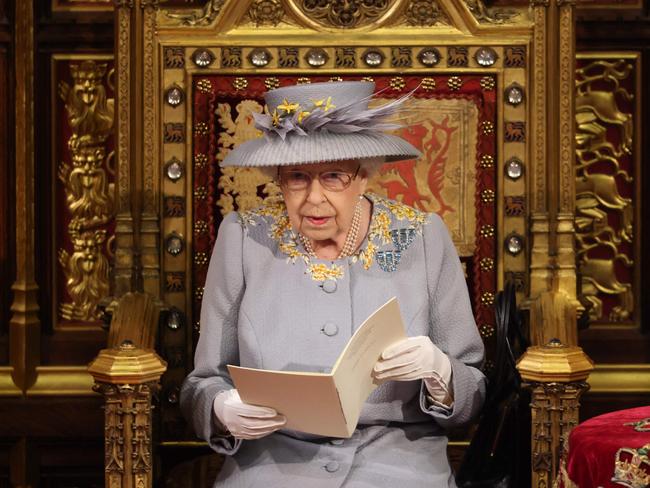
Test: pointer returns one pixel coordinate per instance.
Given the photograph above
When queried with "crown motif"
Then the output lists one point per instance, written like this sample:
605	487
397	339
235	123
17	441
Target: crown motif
632	467
642	425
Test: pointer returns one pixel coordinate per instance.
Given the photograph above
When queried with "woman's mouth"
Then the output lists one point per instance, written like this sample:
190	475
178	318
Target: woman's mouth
317	220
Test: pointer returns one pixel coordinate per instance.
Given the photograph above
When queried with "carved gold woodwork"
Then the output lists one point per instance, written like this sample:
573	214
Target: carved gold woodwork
203	16
86	270
266	12
433	182
554	412
344	13
239	186
89	195
82	5
491	15
127	377
191	56
605	182
556	374
25	325
553	293
425	13
174	47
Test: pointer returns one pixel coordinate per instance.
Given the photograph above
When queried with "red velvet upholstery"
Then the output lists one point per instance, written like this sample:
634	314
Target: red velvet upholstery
610	450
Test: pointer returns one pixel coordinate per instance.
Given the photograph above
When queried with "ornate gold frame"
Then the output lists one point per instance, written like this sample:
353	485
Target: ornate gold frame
635	59
54	87
178	34
154	53
82	5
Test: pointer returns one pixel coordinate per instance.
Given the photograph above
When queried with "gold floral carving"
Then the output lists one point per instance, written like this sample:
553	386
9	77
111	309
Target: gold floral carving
490	15
239	186
149	111
123	73
425	13
89	196
539	111
599	180
266	12
567	64
204	16
124	257
344	13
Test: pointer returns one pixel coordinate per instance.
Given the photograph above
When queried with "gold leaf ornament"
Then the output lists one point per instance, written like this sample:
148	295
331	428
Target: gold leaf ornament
288	107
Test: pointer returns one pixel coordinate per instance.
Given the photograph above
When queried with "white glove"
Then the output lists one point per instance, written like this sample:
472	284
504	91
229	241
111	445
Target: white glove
417	358
245	421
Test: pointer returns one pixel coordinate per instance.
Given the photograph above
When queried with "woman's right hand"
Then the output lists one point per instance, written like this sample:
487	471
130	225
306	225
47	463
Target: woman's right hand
245	421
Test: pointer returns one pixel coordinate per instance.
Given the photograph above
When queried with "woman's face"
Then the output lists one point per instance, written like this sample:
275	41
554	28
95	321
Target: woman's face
316	212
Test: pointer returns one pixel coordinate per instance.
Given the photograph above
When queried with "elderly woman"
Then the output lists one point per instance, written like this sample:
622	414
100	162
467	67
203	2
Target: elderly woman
289	283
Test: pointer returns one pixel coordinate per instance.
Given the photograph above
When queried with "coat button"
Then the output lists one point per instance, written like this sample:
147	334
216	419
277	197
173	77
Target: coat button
330	329
337	442
329	286
332	467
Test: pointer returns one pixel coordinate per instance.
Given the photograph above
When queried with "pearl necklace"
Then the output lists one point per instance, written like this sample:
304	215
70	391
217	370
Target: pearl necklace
349	246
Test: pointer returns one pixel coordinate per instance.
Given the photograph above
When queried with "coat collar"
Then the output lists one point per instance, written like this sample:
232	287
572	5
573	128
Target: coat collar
393	227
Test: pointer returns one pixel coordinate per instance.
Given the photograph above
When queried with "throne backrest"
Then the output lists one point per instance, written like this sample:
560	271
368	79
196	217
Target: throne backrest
206	69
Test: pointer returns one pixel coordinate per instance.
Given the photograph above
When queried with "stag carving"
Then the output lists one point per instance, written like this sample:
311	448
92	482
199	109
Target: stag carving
603	103
601	183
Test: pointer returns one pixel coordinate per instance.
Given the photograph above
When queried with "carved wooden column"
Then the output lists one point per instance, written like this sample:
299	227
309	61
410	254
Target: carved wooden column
137	260
25	326
554	368
127	376
553	256
124	225
556	374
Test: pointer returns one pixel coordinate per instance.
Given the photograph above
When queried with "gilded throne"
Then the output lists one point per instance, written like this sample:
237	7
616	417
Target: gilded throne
495	162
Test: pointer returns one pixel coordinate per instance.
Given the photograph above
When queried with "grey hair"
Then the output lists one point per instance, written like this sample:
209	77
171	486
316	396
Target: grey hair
369	166
271	172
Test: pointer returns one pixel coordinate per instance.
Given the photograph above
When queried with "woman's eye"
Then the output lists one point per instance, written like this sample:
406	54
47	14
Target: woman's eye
332	176
298	177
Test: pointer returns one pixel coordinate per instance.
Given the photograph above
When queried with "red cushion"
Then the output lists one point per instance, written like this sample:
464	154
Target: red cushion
597	444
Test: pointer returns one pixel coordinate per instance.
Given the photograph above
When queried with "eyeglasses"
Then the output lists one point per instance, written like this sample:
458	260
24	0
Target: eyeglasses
330	180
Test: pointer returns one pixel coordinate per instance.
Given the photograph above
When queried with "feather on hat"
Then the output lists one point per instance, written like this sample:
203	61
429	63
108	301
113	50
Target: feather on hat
322	122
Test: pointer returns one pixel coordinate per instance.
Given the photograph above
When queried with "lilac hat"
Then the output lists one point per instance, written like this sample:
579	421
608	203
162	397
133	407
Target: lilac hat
322	122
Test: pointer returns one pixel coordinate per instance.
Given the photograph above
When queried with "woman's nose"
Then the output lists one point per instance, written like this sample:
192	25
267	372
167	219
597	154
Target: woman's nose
315	192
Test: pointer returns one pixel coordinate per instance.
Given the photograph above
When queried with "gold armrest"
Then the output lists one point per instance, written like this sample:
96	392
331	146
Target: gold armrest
556	374
127	376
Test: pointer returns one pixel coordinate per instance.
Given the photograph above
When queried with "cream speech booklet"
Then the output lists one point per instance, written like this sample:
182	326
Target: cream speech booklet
321	403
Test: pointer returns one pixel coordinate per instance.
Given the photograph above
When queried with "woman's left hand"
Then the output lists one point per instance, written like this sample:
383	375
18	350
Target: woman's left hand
411	359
